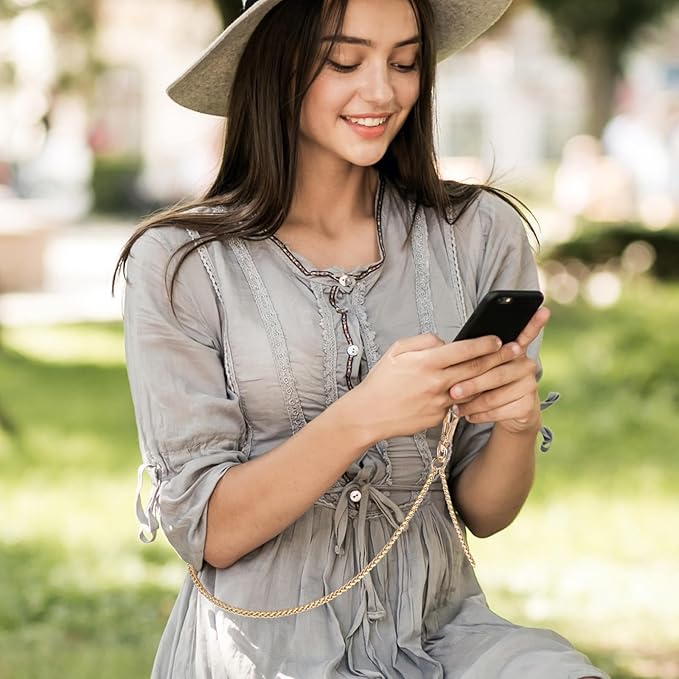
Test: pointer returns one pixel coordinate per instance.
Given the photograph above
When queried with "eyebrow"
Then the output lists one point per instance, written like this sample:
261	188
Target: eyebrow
351	40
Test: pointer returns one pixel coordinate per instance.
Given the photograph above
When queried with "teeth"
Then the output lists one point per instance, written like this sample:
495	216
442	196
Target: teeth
367	122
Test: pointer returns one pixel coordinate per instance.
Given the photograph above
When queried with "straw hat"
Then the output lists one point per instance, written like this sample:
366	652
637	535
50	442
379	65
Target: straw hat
206	84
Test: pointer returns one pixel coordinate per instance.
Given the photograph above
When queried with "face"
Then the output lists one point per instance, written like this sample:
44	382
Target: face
368	86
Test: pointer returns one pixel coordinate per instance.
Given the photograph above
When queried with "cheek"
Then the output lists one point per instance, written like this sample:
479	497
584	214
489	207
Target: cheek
410	93
407	98
325	98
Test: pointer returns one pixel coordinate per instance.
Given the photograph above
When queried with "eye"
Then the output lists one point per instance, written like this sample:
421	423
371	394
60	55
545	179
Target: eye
341	68
405	68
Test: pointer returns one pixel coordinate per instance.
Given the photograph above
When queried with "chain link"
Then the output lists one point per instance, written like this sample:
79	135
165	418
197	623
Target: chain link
438	468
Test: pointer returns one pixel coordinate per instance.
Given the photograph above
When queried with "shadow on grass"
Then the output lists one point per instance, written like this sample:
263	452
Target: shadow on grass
68	418
52	629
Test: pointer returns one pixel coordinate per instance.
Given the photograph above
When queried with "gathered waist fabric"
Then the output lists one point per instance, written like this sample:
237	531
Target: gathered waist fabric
361	501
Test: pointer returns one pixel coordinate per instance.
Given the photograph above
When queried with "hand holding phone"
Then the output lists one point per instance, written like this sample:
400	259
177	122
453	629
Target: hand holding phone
509	395
504	313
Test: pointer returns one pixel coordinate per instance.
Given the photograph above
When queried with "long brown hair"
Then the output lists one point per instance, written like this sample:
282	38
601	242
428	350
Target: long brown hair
252	193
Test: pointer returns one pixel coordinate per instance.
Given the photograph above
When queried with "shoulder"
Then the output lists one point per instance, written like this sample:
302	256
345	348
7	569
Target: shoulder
163	257
491	219
159	285
159	243
478	222
170	239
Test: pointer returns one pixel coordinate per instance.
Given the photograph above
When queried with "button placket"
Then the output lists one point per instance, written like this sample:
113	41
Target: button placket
353	350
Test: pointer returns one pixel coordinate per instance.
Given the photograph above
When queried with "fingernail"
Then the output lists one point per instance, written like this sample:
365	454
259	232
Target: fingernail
456	411
498	342
516	349
457	391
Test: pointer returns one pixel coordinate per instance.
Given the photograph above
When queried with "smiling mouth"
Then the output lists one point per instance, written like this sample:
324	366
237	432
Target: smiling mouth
367	122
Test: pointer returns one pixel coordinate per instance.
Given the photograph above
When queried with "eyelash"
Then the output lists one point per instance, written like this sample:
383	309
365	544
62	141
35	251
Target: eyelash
341	68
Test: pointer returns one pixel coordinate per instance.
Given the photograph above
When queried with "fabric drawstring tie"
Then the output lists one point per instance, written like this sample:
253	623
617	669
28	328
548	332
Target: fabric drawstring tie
148	517
392	512
546	432
371	607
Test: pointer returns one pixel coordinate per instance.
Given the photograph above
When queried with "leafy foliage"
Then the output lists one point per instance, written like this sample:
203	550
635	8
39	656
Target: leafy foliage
617	22
594	246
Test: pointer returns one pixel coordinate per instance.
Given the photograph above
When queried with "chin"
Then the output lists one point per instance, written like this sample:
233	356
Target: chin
365	159
365	163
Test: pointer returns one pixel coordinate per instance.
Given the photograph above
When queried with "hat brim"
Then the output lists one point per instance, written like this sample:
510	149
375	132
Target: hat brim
206	84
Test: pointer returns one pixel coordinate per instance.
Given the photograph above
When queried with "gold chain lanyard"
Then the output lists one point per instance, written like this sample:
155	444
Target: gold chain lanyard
438	468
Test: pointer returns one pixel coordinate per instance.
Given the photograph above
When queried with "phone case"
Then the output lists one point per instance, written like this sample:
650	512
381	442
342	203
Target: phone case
504	313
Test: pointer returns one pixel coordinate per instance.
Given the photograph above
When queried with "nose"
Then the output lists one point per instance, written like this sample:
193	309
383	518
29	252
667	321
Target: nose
377	88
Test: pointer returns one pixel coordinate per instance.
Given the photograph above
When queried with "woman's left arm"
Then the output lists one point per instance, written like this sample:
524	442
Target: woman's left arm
494	464
491	490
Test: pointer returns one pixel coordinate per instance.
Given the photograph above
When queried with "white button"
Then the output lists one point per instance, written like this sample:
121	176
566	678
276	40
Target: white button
346	281
353	350
355	496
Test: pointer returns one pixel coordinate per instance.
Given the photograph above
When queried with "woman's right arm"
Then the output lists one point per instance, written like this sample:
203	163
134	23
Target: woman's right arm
404	393
257	500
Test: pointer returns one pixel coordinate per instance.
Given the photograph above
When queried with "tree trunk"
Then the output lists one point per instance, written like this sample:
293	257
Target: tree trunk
229	10
601	67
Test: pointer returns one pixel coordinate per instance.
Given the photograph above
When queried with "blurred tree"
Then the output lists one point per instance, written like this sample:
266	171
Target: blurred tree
599	34
74	25
228	9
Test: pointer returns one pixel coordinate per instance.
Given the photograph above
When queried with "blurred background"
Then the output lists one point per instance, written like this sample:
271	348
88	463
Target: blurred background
572	105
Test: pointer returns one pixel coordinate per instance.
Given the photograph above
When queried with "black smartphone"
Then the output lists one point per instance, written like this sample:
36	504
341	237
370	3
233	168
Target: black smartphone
503	313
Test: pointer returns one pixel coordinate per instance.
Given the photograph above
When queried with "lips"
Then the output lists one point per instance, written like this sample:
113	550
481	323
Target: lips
367	121
368	126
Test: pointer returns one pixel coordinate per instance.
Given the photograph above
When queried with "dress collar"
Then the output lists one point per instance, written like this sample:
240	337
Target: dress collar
335	273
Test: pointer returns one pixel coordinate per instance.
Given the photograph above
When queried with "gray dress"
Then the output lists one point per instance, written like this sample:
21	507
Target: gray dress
261	343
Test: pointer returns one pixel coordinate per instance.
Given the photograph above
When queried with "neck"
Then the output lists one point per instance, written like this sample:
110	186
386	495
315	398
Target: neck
330	200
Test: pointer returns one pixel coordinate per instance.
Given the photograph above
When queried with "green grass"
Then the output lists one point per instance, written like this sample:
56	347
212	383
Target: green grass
594	555
618	372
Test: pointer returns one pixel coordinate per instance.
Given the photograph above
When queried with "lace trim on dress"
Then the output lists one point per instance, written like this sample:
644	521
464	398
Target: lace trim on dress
372	355
207	264
425	307
420	246
230	373
329	345
274	331
456	277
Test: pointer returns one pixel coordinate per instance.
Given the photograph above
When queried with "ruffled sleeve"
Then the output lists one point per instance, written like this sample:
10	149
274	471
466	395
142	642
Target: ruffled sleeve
188	419
495	254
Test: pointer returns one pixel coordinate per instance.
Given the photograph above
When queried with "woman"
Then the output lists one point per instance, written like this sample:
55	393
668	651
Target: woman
288	347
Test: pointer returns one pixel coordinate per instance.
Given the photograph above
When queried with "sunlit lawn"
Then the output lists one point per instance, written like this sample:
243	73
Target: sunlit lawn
595	554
